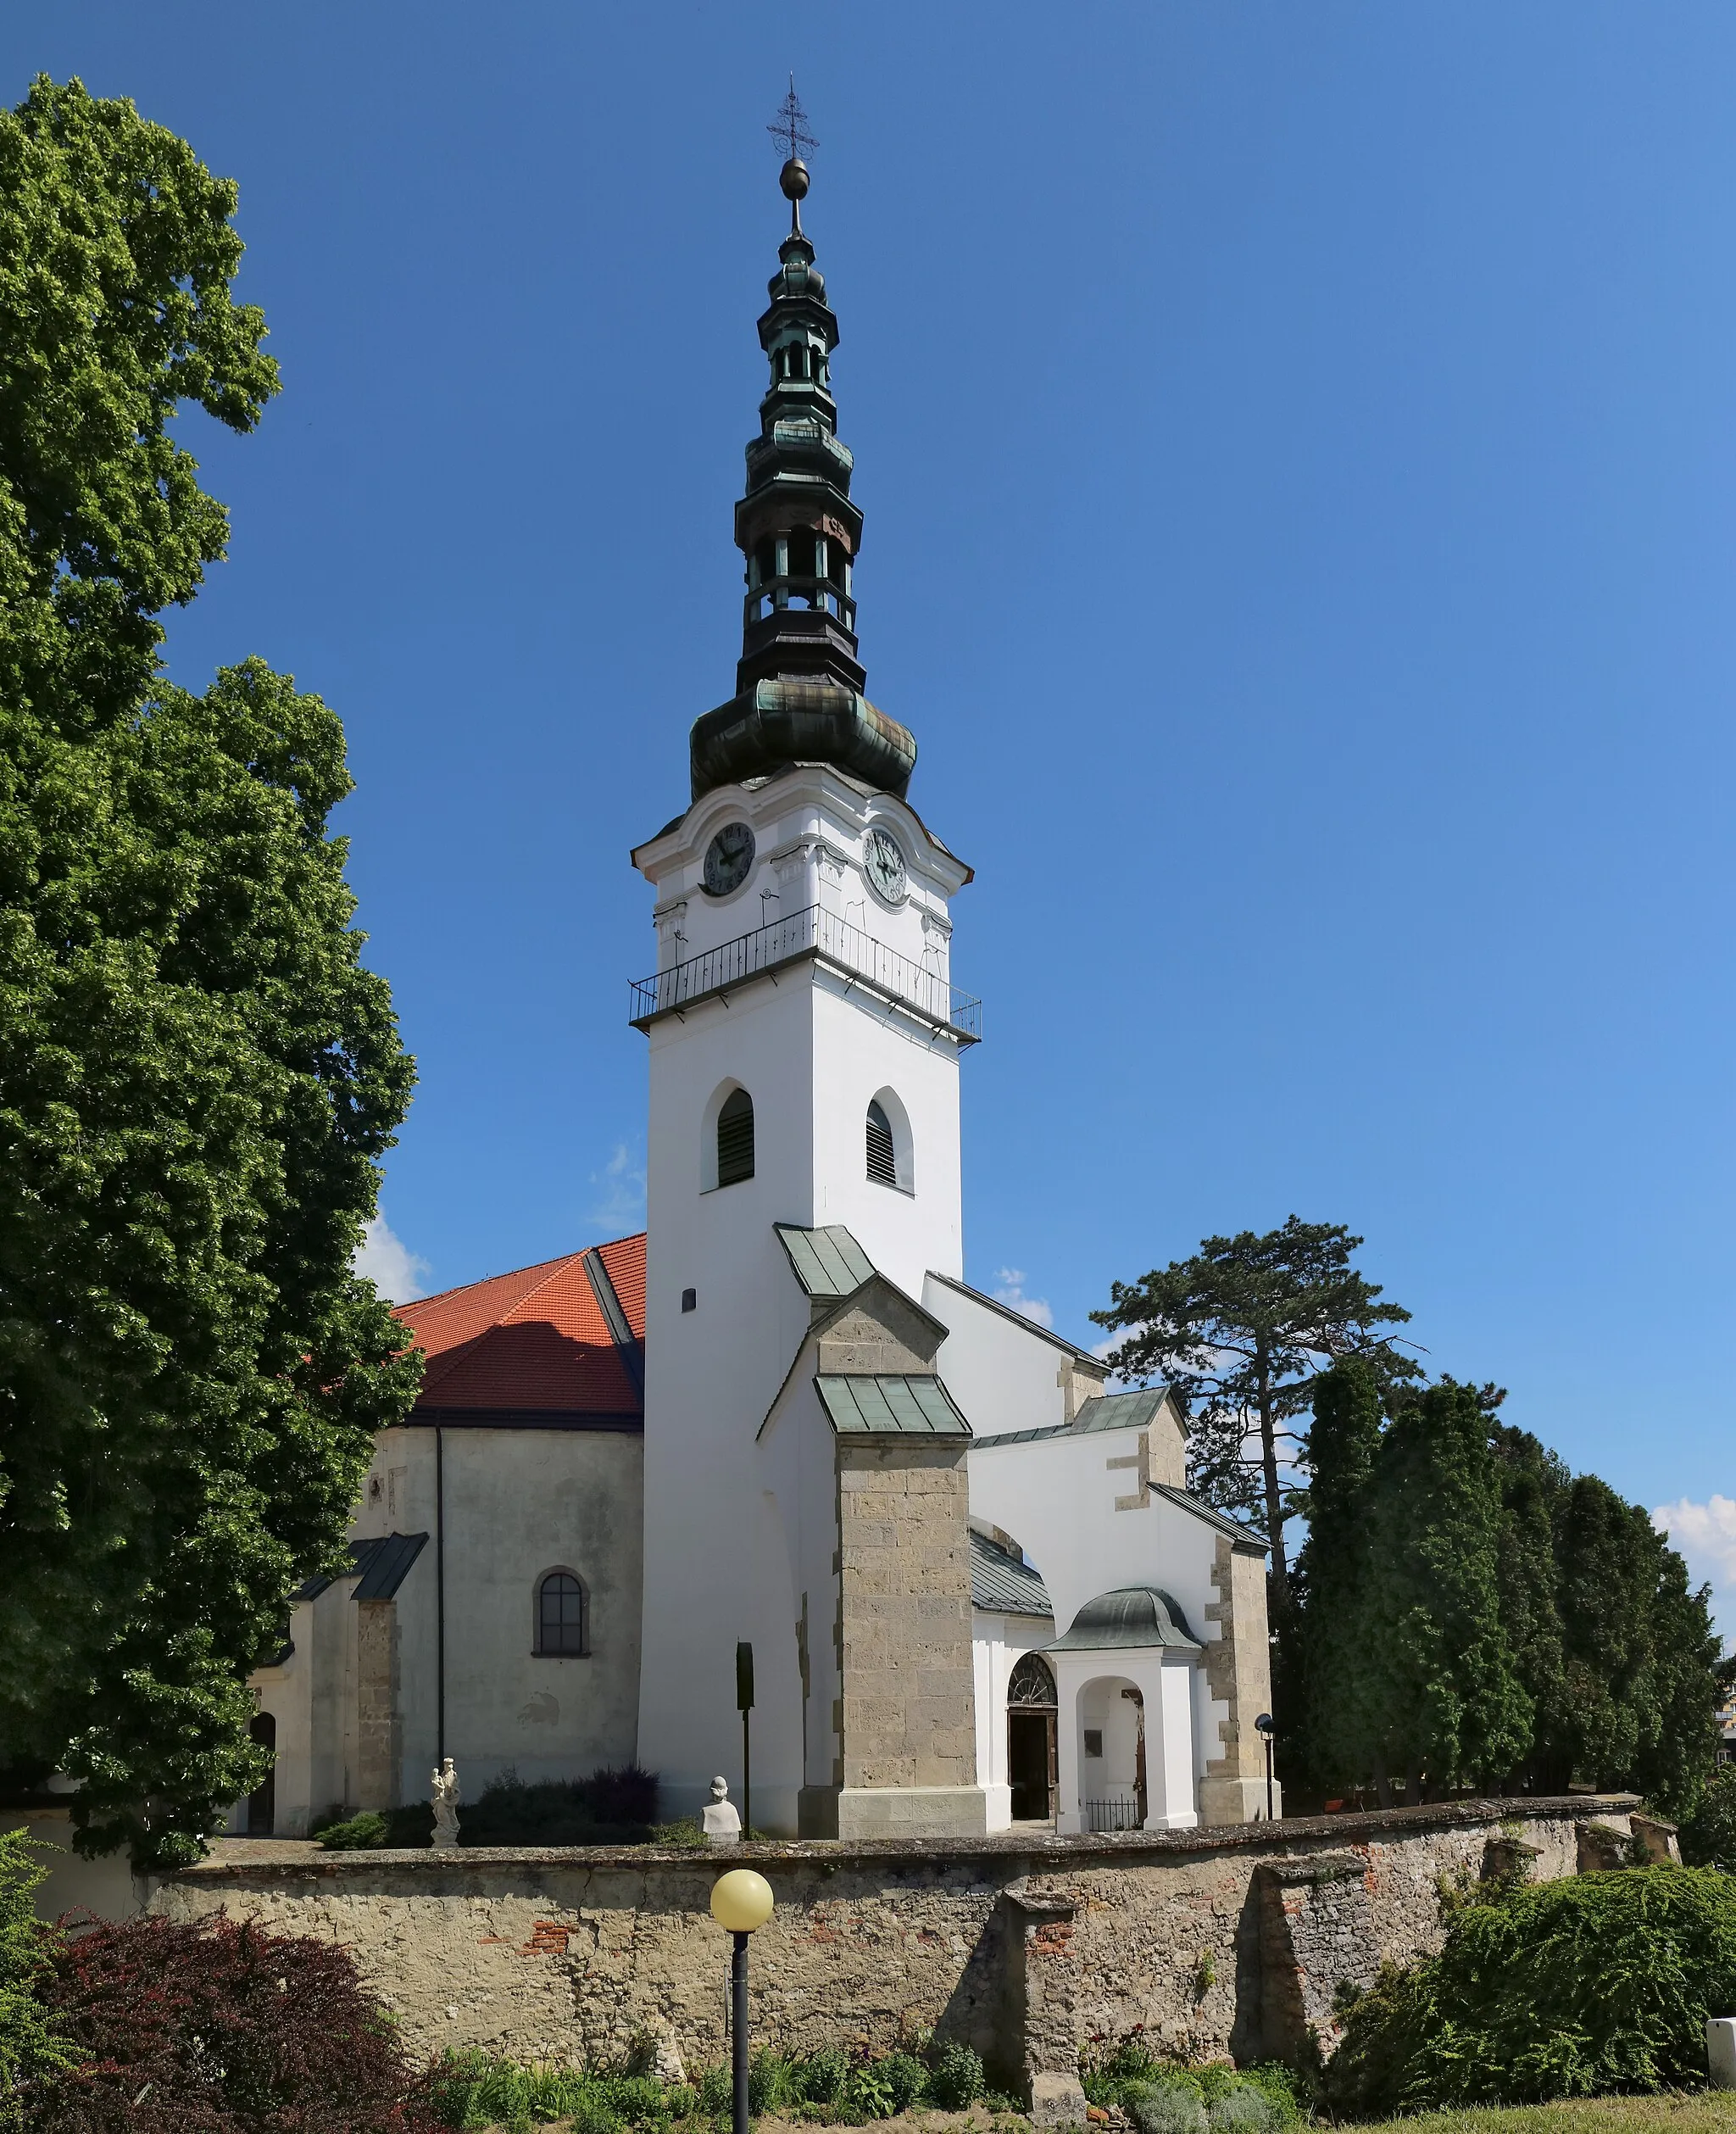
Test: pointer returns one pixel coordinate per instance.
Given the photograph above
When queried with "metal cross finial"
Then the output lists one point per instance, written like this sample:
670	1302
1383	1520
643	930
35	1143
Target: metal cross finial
789	129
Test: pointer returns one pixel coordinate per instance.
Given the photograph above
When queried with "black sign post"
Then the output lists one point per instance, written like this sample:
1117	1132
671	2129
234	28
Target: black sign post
744	1705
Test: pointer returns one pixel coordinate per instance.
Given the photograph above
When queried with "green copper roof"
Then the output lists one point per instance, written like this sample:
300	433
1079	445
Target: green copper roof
882	1404
799	680
1131	1616
1005	1585
828	1262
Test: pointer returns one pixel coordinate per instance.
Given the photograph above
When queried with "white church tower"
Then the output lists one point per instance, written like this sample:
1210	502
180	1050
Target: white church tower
805	1477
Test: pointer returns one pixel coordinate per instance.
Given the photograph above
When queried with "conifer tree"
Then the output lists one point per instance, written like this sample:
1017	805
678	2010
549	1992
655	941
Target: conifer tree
1447	1704
1239	1333
1325	1717
1533	1482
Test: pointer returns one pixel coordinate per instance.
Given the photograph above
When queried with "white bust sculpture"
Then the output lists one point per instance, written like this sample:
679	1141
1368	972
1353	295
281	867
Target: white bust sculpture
446	1796
722	1824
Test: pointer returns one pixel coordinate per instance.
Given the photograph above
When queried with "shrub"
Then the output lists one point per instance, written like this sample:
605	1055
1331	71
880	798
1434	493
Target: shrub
955	2078
361	1832
1595	1983
32	2045
1110	2079
609	1807
822	2077
905	2077
219	2030
473	2088
1708	1837
1168	2107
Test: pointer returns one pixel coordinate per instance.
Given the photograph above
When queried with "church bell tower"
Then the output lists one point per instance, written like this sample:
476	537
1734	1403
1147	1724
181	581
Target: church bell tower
804	1040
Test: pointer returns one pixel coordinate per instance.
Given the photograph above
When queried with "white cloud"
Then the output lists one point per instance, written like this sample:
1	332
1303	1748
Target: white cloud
389	1264
1706	1534
620	1192
1012	1294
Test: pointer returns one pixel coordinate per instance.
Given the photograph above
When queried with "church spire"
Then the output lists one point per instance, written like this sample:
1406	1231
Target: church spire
799	682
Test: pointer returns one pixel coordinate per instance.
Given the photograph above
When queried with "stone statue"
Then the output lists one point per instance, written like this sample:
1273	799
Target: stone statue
446	1796
722	1823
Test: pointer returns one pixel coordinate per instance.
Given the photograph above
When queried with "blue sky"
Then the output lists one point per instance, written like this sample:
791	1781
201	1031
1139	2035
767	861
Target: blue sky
1298	448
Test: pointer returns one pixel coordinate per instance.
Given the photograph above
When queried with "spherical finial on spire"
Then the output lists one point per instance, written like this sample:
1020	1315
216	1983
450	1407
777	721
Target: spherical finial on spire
792	180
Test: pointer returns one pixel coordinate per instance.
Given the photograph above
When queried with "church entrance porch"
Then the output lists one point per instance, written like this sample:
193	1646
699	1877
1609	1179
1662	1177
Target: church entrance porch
1127	1681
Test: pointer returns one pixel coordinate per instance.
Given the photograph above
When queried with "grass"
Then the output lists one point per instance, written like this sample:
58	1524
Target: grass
1712	2112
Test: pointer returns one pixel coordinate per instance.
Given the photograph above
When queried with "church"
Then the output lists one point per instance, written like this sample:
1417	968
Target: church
977	1592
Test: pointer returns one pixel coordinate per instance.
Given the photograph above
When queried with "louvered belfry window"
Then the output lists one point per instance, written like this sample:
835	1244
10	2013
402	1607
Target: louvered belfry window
735	1138
882	1163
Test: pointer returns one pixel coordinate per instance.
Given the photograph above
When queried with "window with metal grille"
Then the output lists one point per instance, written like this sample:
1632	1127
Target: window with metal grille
882	1163
1032	1684
560	1614
735	1138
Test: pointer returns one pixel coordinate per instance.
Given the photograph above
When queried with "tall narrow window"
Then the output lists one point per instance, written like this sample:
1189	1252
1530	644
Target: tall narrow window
883	1159
735	1138
561	1616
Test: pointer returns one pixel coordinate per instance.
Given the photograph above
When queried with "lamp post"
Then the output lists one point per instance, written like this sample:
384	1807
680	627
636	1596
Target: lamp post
1264	1727
740	1902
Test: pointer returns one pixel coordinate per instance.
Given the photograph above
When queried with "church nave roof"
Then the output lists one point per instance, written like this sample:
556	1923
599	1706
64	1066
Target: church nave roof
560	1346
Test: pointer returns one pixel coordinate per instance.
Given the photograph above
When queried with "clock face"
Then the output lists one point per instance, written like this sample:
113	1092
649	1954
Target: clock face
727	859
885	864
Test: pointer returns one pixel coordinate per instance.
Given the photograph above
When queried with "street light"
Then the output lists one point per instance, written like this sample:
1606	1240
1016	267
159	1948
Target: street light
1263	1726
740	1902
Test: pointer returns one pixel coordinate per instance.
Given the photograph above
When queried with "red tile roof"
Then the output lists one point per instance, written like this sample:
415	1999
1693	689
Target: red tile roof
535	1348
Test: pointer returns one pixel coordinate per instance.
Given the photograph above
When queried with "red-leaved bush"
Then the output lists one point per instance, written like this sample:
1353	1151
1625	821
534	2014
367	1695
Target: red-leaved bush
221	2029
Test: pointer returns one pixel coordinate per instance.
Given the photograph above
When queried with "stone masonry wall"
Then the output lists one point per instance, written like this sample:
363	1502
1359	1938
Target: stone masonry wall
1238	1673
1214	1942
908	1713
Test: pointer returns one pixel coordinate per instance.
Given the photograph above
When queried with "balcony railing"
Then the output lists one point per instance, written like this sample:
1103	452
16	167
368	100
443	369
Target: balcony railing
827	937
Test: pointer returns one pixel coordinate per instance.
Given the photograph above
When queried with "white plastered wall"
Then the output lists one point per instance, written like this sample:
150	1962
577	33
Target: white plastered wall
812	1048
1004	1375
998	1643
1057	1497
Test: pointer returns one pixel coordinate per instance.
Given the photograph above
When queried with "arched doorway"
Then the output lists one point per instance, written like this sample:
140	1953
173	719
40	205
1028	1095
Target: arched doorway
262	1801
1030	1747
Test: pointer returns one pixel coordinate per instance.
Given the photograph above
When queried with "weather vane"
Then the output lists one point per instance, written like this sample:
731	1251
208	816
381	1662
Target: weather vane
789	129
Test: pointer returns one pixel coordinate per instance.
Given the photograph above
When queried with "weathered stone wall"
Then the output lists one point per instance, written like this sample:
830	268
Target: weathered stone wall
1238	1674
1214	1942
909	1718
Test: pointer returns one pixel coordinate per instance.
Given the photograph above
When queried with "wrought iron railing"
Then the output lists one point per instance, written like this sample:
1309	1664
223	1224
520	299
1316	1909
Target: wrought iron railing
810	933
1110	1815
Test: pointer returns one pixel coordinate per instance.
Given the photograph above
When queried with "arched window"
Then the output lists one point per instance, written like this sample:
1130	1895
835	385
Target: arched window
882	1157
735	1138
1030	1684
561	1616
886	1132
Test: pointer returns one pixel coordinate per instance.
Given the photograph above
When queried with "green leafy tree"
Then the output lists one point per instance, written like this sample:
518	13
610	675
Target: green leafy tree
1241	1332
197	1077
1449	1706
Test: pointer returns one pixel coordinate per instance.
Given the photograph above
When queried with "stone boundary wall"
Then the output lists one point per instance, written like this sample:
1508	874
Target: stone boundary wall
1230	1942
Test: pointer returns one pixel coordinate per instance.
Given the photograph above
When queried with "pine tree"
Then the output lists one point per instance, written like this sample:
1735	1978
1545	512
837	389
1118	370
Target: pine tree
1240	1334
